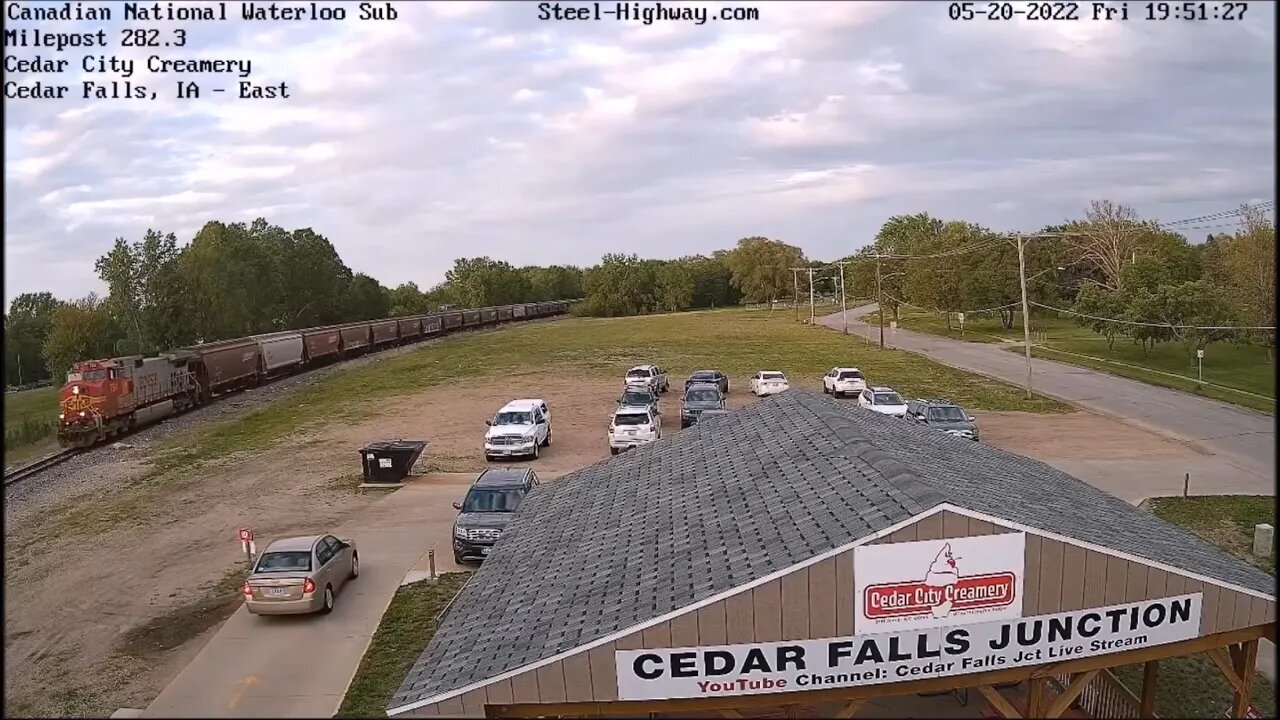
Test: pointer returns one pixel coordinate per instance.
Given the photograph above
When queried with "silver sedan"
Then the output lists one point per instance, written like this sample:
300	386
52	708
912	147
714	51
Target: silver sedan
300	575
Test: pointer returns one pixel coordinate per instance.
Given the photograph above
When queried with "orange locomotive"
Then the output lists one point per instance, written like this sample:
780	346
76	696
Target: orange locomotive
102	397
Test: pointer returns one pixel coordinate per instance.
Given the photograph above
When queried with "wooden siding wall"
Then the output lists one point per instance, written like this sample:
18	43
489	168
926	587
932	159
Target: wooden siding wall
817	601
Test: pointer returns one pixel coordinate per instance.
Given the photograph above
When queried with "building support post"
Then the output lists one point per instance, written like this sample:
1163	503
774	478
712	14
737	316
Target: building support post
1246	667
1026	313
880	302
1150	678
1036	696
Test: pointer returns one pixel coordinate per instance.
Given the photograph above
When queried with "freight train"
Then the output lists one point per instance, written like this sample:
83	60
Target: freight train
101	398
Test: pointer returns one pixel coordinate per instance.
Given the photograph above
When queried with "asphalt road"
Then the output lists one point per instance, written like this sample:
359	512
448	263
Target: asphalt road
300	666
1240	441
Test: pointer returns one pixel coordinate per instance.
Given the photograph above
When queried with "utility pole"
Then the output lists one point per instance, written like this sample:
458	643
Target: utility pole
880	301
795	298
843	313
1026	319
810	297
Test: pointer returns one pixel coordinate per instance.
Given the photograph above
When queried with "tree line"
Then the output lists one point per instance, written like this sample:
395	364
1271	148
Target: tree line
1124	276
238	279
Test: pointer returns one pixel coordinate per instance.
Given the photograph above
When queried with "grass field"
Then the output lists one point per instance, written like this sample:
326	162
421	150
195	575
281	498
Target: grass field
1234	367
738	342
402	635
30	419
1193	686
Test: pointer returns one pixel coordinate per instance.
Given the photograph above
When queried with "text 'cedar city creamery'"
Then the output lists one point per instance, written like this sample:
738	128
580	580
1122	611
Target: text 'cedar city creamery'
906	655
126	67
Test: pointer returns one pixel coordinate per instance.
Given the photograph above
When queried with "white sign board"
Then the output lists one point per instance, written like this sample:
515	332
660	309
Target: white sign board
903	656
932	583
1199	353
961	317
384	462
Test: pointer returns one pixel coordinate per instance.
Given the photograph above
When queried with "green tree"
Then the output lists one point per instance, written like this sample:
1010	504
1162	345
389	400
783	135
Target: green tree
26	327
761	268
366	299
80	330
1103	305
676	285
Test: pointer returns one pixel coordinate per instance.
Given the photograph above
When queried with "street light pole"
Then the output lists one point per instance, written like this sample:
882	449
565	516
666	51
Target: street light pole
843	313
795	297
810	297
1026	319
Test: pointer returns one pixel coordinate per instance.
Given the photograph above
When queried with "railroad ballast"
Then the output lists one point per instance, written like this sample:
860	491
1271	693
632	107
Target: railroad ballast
101	398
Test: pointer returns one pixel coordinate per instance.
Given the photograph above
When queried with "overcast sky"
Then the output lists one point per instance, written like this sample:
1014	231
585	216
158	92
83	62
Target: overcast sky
466	129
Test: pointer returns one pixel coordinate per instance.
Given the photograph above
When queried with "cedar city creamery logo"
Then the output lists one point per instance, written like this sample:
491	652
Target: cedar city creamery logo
942	592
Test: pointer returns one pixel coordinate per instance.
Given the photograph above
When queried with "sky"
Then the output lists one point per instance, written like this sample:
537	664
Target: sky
462	129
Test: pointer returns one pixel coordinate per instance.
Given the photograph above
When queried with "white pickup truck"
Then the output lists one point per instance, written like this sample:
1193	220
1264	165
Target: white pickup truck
650	375
519	429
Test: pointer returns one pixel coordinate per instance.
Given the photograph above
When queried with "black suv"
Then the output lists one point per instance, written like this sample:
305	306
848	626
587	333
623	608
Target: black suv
697	400
714	377
488	507
943	415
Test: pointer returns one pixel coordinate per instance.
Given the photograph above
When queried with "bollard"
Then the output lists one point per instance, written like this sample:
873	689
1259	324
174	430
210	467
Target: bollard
1186	484
431	564
1263	540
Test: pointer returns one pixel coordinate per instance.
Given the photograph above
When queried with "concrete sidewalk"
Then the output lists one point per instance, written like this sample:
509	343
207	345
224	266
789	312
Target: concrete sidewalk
301	666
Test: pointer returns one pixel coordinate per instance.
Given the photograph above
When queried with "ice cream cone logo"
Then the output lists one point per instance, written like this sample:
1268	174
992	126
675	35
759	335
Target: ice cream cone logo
943	574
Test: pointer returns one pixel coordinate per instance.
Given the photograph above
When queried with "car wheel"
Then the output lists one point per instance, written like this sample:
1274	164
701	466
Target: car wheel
328	600
548	442
355	566
488	457
535	451
613	451
457	559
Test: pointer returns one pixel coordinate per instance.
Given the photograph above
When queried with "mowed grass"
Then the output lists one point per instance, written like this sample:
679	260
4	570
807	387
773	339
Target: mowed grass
1193	686
1233	367
738	342
402	635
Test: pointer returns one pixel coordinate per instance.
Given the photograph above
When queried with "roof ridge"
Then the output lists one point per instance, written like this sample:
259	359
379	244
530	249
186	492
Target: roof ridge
855	443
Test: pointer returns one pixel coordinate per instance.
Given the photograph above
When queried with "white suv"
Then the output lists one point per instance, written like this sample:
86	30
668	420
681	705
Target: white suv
883	400
519	429
844	381
632	426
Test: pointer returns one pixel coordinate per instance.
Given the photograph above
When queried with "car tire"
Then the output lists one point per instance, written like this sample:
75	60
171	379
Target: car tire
613	451
457	559
328	600
355	565
548	438
488	457
535	450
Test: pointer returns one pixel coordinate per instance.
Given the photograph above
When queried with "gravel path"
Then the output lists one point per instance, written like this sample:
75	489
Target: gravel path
104	468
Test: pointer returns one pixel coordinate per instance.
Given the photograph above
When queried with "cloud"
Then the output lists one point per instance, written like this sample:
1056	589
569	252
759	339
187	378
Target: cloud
467	128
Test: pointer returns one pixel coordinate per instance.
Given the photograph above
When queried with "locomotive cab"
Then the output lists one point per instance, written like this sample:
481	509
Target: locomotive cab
89	396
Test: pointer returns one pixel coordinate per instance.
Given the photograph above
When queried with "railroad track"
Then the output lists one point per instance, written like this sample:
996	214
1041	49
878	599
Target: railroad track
39	466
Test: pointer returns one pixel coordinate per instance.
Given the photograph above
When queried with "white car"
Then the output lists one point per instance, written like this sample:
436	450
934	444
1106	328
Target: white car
769	382
519	429
633	426
844	381
651	375
884	400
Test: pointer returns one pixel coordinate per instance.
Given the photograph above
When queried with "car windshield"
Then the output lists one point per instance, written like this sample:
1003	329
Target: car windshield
630	419
491	500
772	376
887	399
946	414
637	373
514	418
702	395
634	397
850	375
703	377
292	561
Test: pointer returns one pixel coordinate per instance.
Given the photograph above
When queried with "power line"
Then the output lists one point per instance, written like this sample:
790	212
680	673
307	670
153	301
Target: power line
1159	325
1223	214
975	312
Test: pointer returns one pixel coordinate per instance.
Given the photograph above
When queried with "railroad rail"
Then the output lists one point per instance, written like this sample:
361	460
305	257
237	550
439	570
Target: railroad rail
32	469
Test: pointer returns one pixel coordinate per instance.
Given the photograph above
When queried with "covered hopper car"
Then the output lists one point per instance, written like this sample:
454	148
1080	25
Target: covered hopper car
101	398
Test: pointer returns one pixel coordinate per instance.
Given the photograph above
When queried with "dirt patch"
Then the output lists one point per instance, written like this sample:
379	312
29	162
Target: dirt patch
1082	436
87	599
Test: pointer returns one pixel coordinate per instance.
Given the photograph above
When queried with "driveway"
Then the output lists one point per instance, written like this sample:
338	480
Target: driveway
301	666
1240	443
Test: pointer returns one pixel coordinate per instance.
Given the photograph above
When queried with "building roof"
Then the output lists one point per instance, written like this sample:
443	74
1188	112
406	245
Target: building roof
646	533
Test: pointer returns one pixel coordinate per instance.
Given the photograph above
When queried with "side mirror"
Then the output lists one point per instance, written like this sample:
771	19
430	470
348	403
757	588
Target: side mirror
972	418
457	506
489	423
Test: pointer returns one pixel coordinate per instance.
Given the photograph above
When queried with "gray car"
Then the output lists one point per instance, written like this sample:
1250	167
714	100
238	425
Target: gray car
943	415
300	575
698	399
490	504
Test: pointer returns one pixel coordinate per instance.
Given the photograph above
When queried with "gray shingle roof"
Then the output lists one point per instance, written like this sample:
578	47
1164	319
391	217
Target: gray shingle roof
788	478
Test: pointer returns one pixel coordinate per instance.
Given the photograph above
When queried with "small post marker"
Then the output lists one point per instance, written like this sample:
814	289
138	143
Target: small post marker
246	541
1263	539
431	564
1200	365
1186	484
